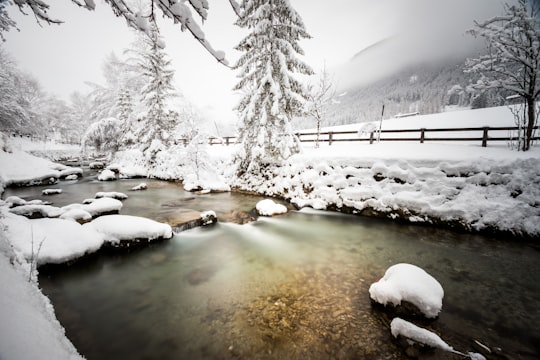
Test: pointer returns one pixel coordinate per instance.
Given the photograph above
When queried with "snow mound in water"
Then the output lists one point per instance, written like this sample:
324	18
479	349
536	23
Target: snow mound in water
107	175
116	228
268	207
50	241
400	327
406	282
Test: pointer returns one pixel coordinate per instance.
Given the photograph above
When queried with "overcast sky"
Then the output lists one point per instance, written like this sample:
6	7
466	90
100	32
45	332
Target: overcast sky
63	57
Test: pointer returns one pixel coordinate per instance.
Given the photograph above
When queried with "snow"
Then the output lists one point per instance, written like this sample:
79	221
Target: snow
141	186
400	327
51	191
406	282
96	165
79	215
50	240
107	175
208	217
116	228
111	194
32	210
98	206
29	328
268	207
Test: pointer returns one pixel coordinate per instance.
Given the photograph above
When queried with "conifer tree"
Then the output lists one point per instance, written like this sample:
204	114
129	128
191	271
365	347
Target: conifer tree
156	68
272	96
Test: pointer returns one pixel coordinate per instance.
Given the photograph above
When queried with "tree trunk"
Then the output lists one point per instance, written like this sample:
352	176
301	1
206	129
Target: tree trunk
531	120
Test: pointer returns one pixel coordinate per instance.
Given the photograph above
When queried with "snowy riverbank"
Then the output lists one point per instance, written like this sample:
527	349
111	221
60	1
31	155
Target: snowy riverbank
479	189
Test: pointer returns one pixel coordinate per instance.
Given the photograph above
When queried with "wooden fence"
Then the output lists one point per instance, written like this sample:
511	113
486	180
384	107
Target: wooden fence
481	135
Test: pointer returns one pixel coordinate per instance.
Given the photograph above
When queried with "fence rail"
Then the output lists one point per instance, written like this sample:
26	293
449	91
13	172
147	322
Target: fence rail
478	134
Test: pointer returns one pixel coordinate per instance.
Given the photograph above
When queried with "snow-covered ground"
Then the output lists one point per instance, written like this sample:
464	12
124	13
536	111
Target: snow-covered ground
28	326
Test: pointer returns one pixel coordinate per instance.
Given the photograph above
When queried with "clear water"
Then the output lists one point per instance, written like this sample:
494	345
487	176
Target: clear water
293	287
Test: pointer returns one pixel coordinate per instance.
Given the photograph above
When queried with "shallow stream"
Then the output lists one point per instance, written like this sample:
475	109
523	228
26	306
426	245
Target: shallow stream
290	287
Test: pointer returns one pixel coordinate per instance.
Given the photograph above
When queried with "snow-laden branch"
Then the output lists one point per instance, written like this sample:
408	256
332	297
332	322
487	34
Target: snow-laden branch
178	11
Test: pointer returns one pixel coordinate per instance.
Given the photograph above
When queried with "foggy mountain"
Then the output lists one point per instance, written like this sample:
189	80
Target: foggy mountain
405	76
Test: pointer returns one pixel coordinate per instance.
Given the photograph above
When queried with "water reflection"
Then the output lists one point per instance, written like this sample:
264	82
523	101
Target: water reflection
292	287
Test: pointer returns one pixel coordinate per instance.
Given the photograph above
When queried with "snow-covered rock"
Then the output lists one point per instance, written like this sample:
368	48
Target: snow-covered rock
107	175
98	206
51	191
407	282
141	186
37	211
123	229
400	327
208	217
50	241
78	215
111	194
70	172
268	207
96	165
424	337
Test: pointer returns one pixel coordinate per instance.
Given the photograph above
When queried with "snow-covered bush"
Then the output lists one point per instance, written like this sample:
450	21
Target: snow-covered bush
103	135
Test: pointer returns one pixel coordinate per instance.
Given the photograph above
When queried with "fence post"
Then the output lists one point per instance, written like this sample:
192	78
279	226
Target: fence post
422	135
227	140
330	137
371	138
485	137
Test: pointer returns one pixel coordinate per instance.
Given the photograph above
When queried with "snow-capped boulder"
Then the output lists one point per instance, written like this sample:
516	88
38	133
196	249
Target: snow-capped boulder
37	211
208	217
268	207
79	215
71	177
111	194
96	165
141	186
416	335
51	191
98	206
50	241
70	171
107	175
407	282
127	230
400	327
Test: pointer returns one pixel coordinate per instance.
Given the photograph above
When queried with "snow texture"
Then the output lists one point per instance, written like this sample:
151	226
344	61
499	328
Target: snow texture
111	194
116	228
400	327
98	206
50	240
406	282
29	328
141	186
51	191
107	175
268	207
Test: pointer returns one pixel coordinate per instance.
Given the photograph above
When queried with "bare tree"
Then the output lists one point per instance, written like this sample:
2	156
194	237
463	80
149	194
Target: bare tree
319	98
513	59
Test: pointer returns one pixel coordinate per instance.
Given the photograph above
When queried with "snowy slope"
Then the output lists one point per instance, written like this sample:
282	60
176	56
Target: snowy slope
28	327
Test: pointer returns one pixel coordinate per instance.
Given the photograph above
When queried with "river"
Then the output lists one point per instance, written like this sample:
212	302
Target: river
289	287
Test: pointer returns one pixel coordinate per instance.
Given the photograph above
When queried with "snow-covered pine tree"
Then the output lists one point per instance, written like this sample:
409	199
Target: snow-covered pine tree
272	96
156	68
513	59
